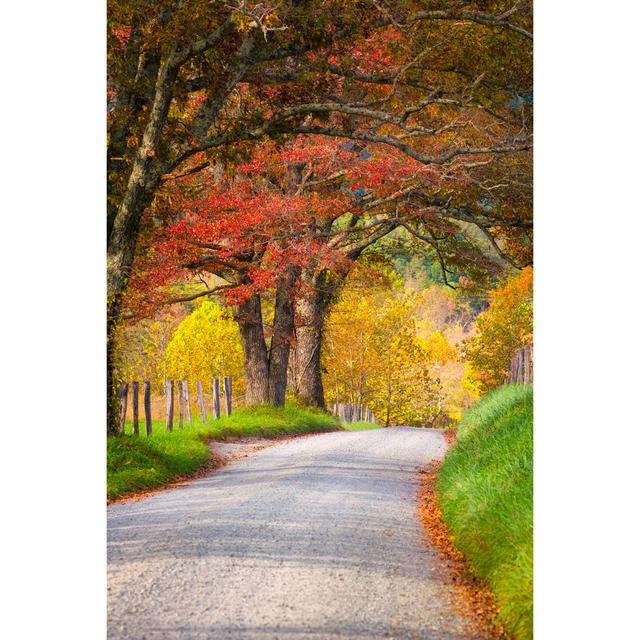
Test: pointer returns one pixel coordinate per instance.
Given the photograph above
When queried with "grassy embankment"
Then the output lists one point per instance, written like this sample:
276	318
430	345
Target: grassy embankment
485	490
139	463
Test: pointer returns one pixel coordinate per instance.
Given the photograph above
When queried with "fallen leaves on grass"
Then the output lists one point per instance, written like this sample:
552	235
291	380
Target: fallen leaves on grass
475	602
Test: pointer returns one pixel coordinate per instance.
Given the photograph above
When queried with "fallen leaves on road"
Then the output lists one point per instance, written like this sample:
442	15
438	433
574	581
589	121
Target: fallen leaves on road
474	601
450	436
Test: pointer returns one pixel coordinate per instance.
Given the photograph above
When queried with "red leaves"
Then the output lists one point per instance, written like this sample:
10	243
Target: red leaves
273	210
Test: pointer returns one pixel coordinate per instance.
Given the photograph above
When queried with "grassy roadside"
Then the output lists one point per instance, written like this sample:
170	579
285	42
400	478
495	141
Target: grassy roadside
360	426
139	463
485	490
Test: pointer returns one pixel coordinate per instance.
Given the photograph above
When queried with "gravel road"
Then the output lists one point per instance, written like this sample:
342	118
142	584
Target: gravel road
315	538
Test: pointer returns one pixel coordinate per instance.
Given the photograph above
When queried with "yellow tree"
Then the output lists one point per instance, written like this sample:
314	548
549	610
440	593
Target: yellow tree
381	350
503	328
206	345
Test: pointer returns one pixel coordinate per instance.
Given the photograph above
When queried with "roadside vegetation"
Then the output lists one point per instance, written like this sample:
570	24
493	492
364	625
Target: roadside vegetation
138	463
360	426
485	491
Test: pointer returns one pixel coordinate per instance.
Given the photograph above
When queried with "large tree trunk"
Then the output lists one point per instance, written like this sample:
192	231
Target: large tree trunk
248	315
310	307
112	401
283	330
124	226
120	253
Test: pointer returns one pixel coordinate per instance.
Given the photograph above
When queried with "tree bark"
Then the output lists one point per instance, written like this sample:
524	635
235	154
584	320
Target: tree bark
125	225
283	332
311	307
248	315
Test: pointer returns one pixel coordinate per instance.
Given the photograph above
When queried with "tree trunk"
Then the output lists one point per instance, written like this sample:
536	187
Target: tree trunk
112	400
310	311
203	410
283	331
248	315
120	254
124	226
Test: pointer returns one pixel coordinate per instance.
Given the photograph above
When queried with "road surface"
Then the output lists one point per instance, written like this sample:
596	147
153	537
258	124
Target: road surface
316	538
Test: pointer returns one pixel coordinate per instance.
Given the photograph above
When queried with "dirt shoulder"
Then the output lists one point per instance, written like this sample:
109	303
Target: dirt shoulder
473	600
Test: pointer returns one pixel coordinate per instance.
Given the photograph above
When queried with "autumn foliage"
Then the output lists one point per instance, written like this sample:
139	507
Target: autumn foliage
503	328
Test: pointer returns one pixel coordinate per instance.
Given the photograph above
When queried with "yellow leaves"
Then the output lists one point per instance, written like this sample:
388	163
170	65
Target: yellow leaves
438	349
242	22
380	350
205	345
503	328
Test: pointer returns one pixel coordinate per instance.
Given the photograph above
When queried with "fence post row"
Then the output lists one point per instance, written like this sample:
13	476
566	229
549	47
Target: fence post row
520	371
348	413
345	412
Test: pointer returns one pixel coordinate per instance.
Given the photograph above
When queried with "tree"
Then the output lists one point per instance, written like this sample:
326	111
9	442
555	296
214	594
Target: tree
206	345
142	348
190	83
374	353
502	329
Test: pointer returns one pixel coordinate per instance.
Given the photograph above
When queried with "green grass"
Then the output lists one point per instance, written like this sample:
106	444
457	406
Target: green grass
485	490
138	463
360	426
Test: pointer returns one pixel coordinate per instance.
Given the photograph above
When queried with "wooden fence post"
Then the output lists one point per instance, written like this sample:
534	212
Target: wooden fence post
187	405
180	404
134	402
227	394
348	413
203	411
123	392
527	354
147	407
169	405
216	398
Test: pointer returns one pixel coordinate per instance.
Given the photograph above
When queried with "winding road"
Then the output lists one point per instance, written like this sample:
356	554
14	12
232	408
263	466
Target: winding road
315	538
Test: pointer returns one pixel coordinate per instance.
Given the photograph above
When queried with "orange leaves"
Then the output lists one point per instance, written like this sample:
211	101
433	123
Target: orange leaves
473	599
